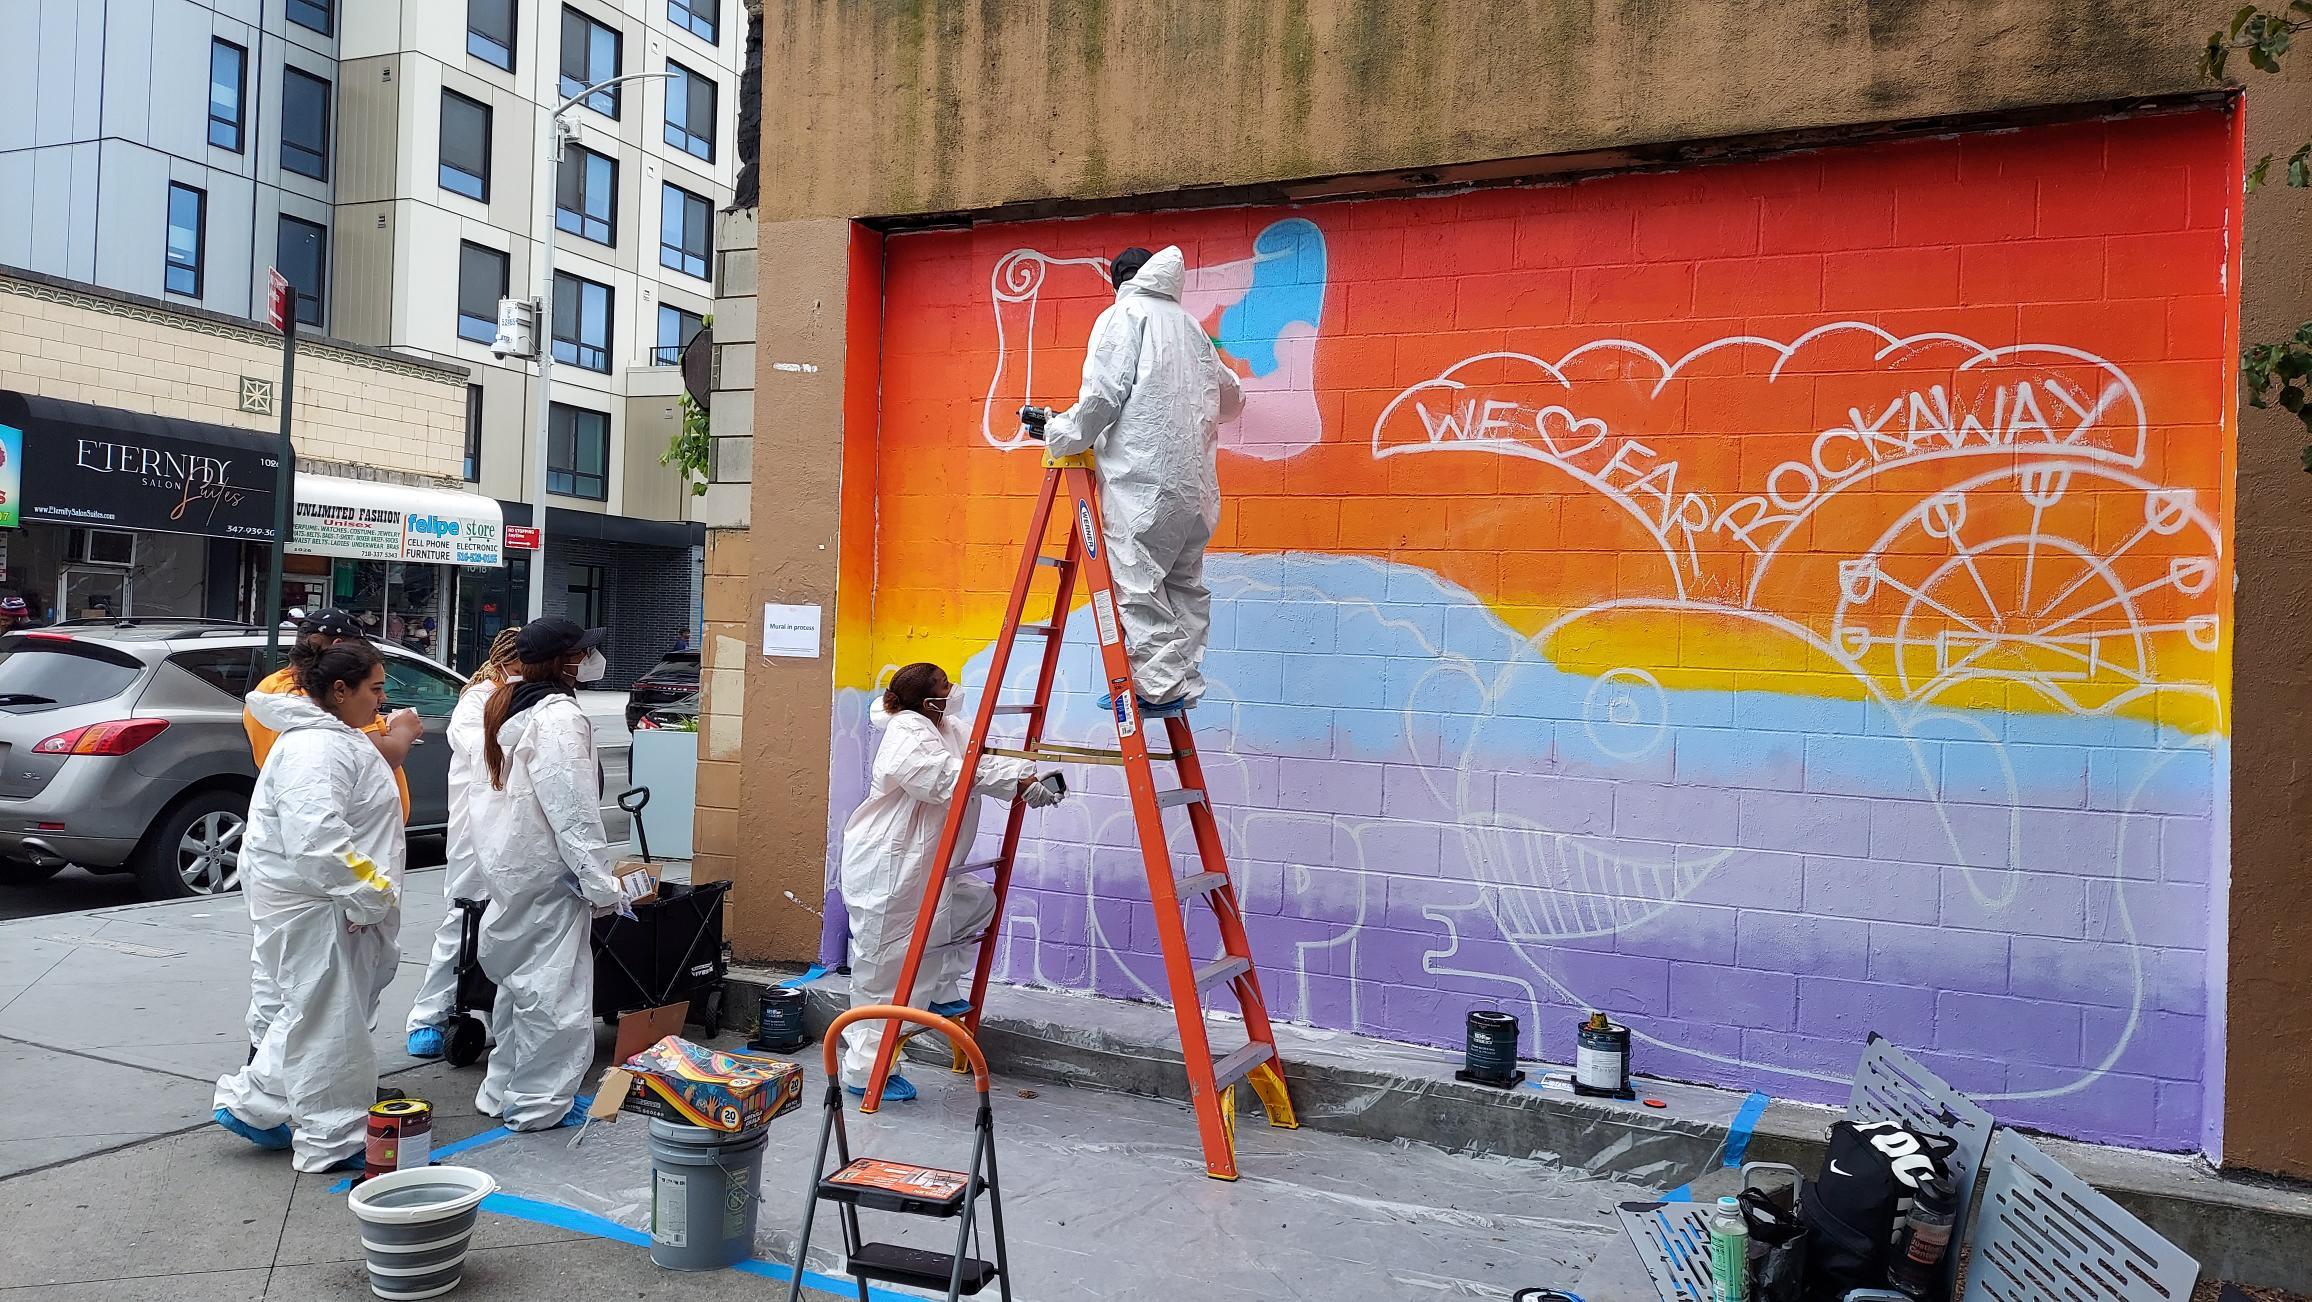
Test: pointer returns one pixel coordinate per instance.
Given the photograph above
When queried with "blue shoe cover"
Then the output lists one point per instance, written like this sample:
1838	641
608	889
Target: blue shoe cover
426	1042
956	1008
576	1116
1148	709
274	1140
897	1089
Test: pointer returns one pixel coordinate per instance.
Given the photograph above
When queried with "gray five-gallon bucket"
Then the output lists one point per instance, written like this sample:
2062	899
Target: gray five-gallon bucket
704	1187
415	1226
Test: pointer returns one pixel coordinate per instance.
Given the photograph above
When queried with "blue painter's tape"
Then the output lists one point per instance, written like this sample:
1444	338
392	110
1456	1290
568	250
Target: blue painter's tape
1745	1122
815	971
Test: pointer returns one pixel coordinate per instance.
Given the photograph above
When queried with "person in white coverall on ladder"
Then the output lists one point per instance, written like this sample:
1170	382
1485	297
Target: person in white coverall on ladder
889	843
1155	392
546	860
463	861
321	867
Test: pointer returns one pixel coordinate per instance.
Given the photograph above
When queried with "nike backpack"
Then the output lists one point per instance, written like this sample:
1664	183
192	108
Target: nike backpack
1853	1211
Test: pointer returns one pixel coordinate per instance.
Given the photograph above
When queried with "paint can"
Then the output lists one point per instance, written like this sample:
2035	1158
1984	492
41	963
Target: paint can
1489	1050
400	1137
1601	1064
779	1027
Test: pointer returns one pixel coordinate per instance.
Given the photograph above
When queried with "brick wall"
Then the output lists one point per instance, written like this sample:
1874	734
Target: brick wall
647	599
1769	602
121	351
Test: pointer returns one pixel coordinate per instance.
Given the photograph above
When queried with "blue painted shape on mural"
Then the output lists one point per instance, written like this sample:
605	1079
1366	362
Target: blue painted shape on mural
1288	285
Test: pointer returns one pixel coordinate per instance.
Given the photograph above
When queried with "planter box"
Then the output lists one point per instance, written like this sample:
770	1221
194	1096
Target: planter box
666	761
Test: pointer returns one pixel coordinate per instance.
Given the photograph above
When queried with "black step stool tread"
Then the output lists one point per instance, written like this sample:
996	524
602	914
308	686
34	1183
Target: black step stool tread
893	1263
898	1187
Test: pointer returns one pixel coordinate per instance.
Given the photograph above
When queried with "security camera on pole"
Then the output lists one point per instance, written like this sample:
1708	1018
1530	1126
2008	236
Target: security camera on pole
526	329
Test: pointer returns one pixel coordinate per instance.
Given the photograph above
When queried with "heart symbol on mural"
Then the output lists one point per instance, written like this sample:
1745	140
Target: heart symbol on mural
1566	435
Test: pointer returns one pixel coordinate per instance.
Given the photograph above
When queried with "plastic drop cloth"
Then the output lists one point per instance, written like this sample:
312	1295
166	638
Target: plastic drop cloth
1106	1197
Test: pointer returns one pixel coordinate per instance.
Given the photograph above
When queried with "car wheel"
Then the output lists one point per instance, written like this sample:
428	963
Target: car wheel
195	847
18	872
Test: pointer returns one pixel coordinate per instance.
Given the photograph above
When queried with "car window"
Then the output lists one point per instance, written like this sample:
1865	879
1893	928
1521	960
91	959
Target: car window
47	672
677	669
231	670
419	686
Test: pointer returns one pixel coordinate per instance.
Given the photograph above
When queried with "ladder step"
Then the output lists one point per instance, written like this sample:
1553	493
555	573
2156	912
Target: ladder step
1028	708
1227	967
1039	630
1189	888
1182	796
1053	753
1054	562
979	866
1238	1065
894	1263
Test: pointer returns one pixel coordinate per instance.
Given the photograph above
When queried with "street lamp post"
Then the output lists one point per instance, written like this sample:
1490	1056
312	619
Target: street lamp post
559	132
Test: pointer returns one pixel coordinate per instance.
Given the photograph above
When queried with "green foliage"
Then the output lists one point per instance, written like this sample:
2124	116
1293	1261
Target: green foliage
2272	372
691	450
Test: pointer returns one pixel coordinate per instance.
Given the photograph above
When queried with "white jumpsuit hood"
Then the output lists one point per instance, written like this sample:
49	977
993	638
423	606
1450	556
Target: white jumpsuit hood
1154	394
321	866
889	843
547	864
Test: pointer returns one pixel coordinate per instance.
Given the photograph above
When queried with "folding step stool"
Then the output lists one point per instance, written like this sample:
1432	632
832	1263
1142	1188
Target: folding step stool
1211	1082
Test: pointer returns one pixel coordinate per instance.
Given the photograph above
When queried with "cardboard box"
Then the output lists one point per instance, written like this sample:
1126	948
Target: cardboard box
697	1086
637	881
639	1030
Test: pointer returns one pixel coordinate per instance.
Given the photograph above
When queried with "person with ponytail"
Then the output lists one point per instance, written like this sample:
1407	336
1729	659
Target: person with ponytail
889	843
321	868
434	996
536	813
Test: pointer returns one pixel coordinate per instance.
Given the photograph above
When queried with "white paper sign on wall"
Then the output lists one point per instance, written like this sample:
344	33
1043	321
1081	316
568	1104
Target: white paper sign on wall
791	631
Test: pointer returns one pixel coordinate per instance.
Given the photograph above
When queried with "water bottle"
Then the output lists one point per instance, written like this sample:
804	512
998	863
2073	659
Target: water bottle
1729	1253
1926	1237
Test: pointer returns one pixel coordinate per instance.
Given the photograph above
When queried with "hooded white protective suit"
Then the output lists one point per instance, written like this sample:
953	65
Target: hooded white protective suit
321	866
467	771
888	847
1155	392
547	864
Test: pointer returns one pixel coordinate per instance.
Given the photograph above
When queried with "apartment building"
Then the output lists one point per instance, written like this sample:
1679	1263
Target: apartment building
390	157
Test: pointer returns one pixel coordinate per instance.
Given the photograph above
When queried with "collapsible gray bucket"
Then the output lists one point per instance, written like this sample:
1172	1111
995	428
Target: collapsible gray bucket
704	1187
415	1227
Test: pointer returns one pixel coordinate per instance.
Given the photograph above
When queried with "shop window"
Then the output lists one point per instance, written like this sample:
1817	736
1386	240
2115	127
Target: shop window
578	452
490	31
581	323
675	328
304	124
586	195
587	604
590	55
690	120
701	18
417	686
482	280
304	258
465	146
320	15
228	93
684	239
188	240
473	433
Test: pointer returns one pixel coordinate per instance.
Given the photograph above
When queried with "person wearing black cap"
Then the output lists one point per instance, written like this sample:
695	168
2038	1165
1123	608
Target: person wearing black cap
547	863
393	734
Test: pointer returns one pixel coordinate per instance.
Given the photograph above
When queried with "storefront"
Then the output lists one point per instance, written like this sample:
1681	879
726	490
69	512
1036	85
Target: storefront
113	514
392	554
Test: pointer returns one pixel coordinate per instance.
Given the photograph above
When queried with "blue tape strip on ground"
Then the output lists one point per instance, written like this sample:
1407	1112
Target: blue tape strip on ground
1738	1133
556	1216
815	971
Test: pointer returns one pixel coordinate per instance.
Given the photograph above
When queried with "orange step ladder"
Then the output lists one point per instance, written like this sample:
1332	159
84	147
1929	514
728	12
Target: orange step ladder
1211	1080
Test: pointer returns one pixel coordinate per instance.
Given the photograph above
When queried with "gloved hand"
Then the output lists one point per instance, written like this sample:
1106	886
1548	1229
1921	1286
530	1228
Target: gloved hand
1043	793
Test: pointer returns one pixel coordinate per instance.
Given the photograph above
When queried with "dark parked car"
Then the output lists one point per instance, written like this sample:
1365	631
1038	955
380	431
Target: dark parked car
674	677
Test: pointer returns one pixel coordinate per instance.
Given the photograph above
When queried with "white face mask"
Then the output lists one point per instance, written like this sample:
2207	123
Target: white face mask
591	669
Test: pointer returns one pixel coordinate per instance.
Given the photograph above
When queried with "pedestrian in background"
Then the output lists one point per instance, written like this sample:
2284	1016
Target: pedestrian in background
321	867
461	859
546	859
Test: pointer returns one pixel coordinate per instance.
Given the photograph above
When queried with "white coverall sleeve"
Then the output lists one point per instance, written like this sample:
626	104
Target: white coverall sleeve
1110	365
1231	389
309	806
563	773
919	763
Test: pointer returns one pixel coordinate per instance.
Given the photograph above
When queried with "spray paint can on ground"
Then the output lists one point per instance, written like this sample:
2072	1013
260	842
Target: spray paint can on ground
400	1137
1601	1064
1490	1050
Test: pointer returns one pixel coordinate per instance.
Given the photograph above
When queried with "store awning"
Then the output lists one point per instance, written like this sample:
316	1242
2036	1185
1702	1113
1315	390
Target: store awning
74	463
373	521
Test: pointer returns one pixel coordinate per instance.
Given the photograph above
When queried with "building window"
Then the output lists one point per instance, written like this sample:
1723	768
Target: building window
690	118
586	604
586	195
188	240
473	431
465	146
320	15
228	93
581	323
490	31
589	56
304	259
675	327
701	18
482	281
578	454
683	239
304	124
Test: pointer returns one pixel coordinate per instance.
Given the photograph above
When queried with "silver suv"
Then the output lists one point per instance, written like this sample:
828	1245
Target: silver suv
122	749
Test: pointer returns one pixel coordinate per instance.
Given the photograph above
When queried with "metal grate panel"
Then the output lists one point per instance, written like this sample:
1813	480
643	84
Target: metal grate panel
1891	1085
1673	1239
2046	1236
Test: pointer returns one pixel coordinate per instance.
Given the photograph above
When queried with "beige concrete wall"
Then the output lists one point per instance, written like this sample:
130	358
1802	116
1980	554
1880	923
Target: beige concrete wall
352	405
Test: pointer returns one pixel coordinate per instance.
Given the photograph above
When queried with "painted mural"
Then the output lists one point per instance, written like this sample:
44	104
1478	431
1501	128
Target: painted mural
1770	602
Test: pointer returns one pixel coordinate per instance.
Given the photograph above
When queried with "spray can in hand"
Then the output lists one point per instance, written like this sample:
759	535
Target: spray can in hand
1729	1253
1926	1237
